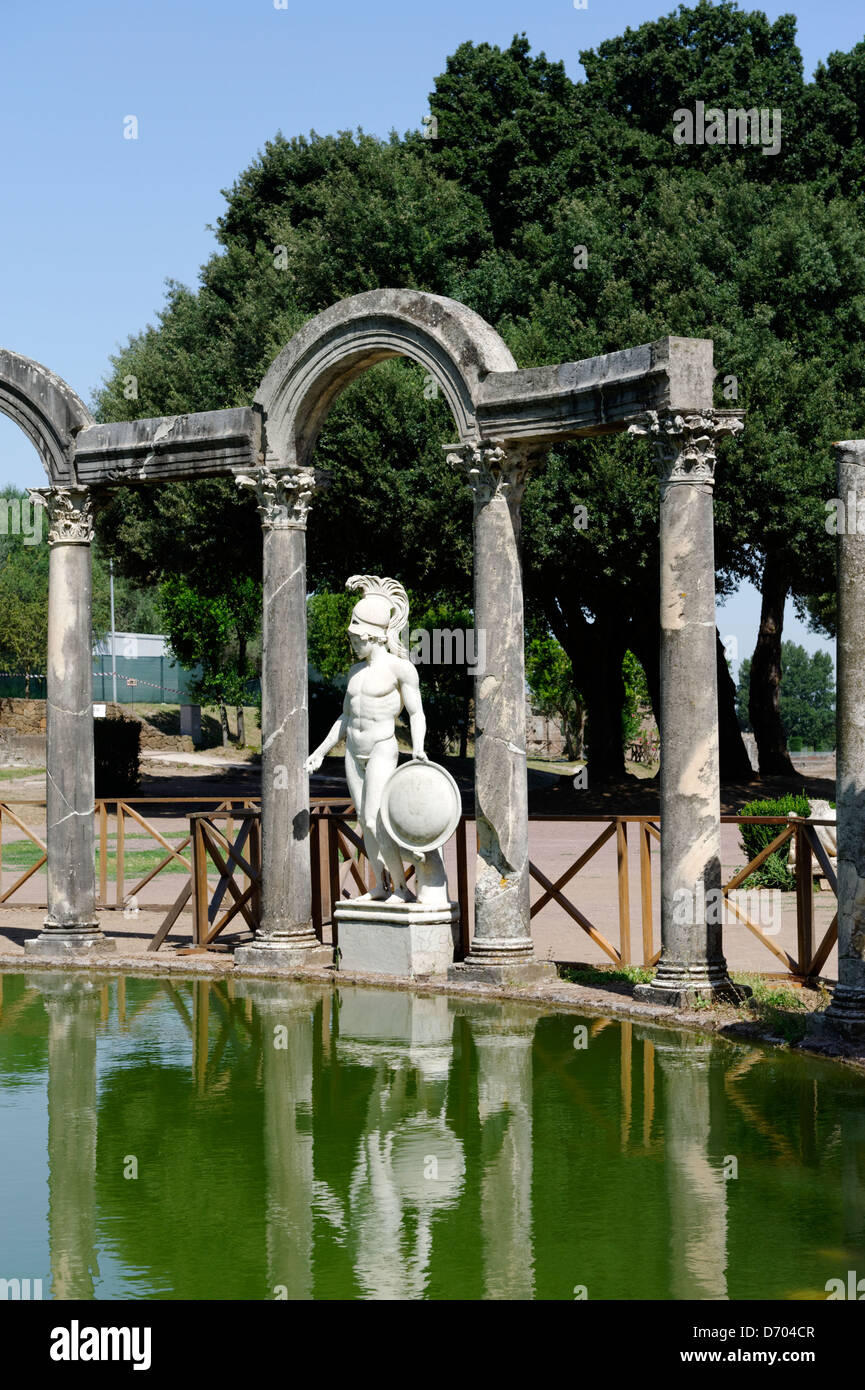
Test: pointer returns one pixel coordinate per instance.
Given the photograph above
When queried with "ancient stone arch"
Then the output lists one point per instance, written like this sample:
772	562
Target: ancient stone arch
453	343
506	418
48	411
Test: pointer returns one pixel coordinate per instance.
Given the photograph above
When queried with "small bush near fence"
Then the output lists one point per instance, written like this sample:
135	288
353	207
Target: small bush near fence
773	872
117	756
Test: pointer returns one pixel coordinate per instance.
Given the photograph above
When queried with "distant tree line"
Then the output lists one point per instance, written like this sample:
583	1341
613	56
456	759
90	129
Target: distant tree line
806	697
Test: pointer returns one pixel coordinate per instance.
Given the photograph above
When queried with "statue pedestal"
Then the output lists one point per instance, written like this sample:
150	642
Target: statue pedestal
397	938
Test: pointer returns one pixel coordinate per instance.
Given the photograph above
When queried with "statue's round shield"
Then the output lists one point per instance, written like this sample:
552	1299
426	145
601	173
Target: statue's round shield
420	805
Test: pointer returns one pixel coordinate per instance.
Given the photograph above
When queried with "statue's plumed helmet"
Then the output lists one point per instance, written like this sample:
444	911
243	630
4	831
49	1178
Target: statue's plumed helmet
374	611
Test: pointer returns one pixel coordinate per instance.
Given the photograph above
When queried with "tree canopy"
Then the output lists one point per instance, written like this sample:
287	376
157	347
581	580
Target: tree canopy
764	254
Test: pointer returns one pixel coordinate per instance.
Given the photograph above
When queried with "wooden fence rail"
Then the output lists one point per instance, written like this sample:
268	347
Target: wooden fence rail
339	868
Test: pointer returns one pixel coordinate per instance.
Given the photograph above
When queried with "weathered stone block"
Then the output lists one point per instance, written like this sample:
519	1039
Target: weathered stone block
405	939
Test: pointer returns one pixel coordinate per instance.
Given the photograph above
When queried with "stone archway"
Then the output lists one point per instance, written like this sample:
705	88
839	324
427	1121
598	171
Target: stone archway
506	418
47	410
463	353
455	345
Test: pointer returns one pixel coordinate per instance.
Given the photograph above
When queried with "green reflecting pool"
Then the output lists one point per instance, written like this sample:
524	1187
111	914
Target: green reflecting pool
254	1140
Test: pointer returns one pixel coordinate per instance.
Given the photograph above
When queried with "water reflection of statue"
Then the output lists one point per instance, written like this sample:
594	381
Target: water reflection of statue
410	1165
380	685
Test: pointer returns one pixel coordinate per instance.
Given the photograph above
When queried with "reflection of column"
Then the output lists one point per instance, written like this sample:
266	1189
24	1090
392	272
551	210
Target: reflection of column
848	1001
503	1044
284	499
72	1005
285	1011
696	1189
409	1160
71	923
692	961
502	944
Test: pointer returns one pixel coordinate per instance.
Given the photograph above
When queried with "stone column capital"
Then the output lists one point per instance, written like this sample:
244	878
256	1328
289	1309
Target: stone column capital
685	444
70	513
284	496
493	469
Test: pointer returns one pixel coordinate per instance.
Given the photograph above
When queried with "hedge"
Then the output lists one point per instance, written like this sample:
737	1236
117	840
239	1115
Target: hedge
773	872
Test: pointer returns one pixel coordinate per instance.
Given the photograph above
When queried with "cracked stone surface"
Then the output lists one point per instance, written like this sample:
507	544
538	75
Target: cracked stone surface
692	955
502	904
848	1004
287	891
69	732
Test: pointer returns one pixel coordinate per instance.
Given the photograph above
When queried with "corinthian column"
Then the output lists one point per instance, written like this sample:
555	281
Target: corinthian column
502	947
692	963
286	934
71	925
847	1009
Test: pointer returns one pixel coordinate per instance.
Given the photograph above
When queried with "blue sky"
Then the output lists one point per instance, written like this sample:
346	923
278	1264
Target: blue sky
94	224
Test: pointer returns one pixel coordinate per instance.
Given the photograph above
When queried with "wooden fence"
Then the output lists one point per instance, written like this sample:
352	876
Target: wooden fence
339	867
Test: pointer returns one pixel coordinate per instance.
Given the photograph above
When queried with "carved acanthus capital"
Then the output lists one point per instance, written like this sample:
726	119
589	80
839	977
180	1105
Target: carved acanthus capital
284	498
491	470
685	444
70	513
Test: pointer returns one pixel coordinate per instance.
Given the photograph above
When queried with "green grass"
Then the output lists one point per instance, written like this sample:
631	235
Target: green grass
776	1006
13	774
21	854
592	975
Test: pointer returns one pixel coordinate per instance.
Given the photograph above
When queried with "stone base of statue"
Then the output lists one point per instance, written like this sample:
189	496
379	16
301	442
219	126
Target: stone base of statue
411	939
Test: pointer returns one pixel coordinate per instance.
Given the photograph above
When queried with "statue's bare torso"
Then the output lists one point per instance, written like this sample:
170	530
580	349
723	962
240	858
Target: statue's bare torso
373	701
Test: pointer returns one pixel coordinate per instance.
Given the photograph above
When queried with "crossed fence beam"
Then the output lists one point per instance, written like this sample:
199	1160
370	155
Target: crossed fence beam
339	861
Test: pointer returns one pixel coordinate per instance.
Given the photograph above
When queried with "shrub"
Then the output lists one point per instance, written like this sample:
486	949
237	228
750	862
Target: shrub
773	872
117	748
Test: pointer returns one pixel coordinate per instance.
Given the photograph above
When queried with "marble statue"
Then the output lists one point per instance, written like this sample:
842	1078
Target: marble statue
381	684
406	811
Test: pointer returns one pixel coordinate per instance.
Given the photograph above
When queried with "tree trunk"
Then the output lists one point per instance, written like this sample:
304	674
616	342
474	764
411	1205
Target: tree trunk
241	727
223	715
599	673
580	741
596	652
763	710
733	755
574	732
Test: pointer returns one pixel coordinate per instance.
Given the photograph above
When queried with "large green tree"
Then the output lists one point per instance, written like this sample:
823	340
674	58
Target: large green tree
765	254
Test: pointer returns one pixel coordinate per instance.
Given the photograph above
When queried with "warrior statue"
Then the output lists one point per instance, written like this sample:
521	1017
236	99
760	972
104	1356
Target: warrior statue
381	684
